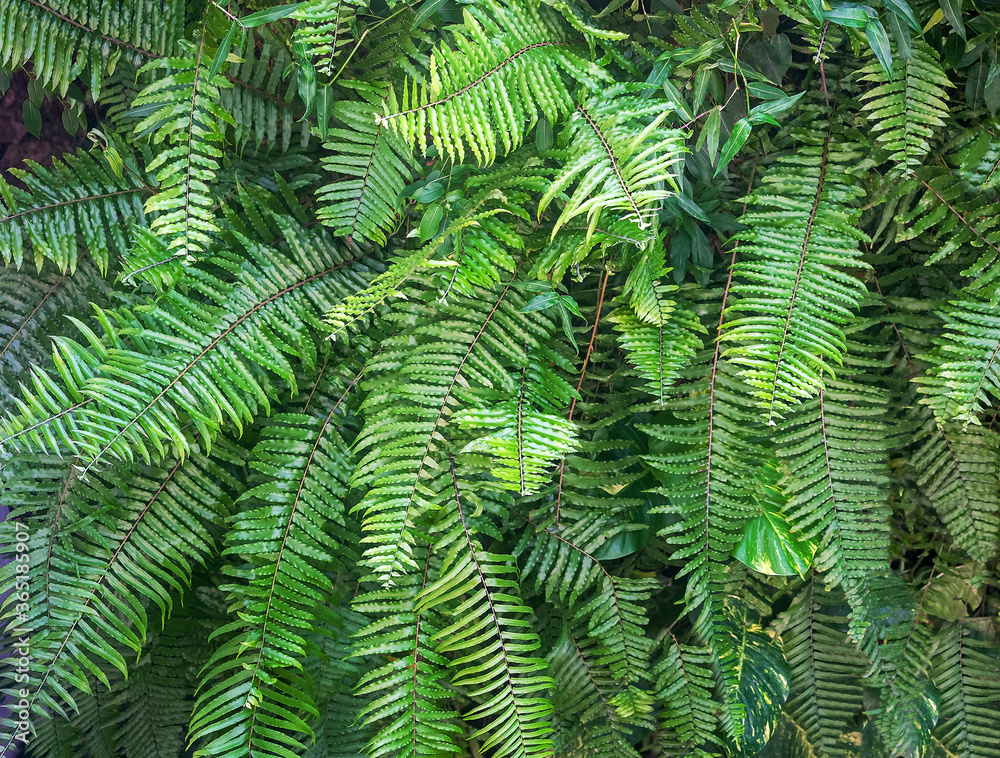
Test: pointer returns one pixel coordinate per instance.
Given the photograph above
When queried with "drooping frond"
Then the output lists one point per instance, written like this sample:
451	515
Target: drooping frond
110	548
324	28
659	351
794	291
81	201
835	451
618	157
141	399
486	90
966	670
826	686
587	724
186	125
940	207
409	716
956	471
908	110
32	306
278	580
684	686
490	640
415	385
963	380
261	99
375	166
526	434
62	38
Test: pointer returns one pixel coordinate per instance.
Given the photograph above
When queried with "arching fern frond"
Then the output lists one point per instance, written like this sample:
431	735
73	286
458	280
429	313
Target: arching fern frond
794	292
409	716
966	670
324	28
826	686
375	166
490	639
906	112
957	473
62	37
110	549
186	122
617	156
488	89
278	581
684	687
79	201
143	398
963	379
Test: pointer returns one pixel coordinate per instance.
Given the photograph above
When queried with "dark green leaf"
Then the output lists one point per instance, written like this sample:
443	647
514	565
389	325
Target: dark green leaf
690	207
427	9
901	33
541	302
849	14
769	547
902	9
737	138
543	135
430	224
222	53
32	118
952	10
268	15
975	85
879	42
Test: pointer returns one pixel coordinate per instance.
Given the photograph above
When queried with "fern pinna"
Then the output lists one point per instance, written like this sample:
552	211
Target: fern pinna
504	379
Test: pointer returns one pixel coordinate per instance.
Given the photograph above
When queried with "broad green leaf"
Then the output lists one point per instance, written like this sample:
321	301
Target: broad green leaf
427	9
901	33
952	10
541	302
850	14
879	42
975	85
737	138
902	9
543	135
690	207
32	118
268	15
222	53
775	107
769	547
430	224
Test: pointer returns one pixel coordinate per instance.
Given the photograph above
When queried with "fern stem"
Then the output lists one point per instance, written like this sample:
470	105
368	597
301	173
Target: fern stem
509	59
579	384
74	201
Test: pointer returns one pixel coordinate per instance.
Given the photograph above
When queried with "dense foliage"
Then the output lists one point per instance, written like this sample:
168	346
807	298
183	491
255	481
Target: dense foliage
505	379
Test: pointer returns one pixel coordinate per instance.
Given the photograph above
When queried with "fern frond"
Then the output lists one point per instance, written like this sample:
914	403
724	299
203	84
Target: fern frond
684	687
582	701
184	119
525	436
417	383
31	308
410	716
79	201
795	294
491	639
659	351
487	90
826	669
324	28
142	398
963	379
62	37
966	670
835	450
284	537
957	473
260	99
108	550
617	161
376	166
906	111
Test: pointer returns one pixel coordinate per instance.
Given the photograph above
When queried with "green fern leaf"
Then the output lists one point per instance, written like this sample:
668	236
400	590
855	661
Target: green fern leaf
795	294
